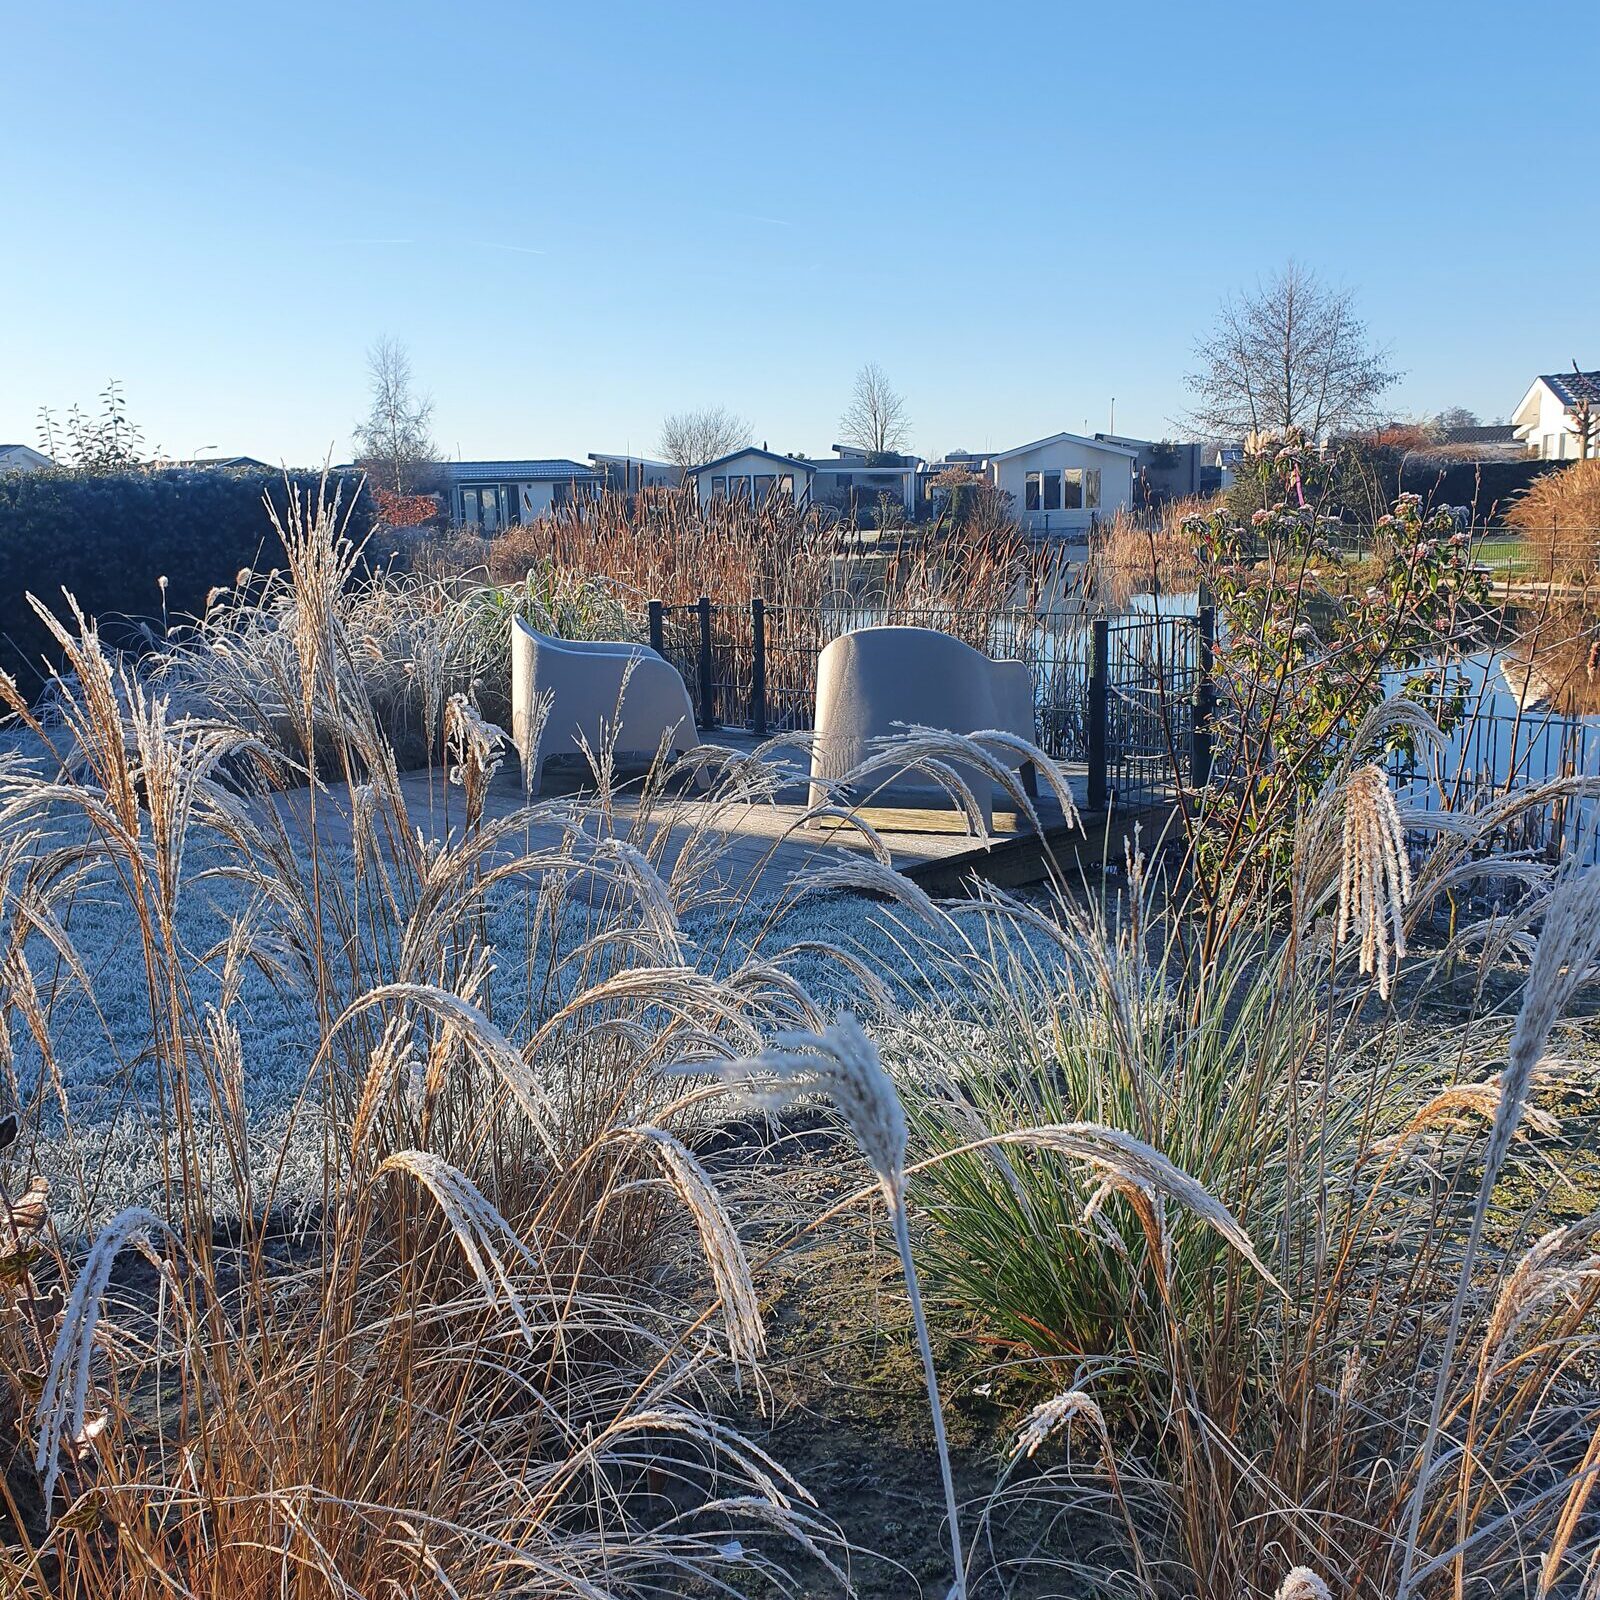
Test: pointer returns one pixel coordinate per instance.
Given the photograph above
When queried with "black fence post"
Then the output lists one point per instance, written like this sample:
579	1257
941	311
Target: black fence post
658	628
708	693
758	667
1200	724
1099	707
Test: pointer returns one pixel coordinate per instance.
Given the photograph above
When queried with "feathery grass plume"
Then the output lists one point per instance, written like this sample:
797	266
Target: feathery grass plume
1301	1583
476	748
843	1064
1133	1167
719	1240
62	1403
479	1033
863	875
1568	944
1560	1264
1448	1109
475	1223
1374	874
1060	1411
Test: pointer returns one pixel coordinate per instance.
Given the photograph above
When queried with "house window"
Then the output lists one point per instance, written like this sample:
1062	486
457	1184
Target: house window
484	506
786	485
739	488
719	488
764	482
1072	489
1547	447
1032	491
1091	489
1052	491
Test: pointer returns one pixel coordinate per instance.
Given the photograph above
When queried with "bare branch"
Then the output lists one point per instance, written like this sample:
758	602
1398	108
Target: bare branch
876	419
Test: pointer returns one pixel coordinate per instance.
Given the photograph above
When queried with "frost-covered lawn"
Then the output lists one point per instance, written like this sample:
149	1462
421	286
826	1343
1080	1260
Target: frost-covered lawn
93	1105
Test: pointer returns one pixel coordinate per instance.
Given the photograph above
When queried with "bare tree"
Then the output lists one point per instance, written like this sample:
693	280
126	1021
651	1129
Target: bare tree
394	443
875	419
1585	420
1293	354
691	438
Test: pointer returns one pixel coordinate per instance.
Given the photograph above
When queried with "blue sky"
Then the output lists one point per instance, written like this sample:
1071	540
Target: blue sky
582	217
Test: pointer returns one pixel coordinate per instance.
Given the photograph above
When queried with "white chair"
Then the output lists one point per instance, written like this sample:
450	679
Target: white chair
875	678
588	702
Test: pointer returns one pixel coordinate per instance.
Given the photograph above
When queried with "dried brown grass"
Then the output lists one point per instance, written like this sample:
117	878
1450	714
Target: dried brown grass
1558	515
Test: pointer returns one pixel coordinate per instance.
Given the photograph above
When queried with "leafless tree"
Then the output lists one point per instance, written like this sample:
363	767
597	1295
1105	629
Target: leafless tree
1585	420
1293	354
393	443
691	438
875	419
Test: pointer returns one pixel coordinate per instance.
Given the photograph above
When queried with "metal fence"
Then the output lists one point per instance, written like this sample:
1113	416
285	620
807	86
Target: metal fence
1125	696
1493	755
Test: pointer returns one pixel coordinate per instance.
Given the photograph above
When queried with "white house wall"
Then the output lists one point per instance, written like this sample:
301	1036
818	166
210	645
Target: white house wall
751	464
1550	436
1116	485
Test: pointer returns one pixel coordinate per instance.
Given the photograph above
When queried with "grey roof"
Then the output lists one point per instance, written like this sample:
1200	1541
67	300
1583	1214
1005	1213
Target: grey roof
1057	438
754	450
1489	433
1572	388
552	471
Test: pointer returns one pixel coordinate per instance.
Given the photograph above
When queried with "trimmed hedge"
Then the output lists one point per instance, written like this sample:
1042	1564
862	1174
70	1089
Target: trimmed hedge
1487	487
109	539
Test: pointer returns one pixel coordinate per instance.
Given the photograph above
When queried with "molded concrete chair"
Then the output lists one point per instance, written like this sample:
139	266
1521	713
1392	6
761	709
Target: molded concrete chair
585	682
872	679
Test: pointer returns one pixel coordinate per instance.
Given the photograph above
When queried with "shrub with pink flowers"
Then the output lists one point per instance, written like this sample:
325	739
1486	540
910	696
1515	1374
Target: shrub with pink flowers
1299	666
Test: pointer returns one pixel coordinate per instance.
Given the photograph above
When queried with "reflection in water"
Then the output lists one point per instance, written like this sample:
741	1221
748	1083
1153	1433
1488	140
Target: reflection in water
1554	665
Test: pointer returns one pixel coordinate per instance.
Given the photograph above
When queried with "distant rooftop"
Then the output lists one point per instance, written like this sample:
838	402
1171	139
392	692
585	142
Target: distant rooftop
1573	388
557	470
1489	433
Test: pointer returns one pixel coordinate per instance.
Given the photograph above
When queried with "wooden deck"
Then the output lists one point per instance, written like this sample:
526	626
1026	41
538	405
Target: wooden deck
757	847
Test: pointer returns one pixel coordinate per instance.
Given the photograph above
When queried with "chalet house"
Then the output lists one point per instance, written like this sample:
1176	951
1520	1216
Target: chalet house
1065	484
1546	420
491	495
752	474
23	458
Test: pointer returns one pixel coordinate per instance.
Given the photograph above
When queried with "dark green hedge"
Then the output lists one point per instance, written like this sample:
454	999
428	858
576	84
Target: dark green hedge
109	539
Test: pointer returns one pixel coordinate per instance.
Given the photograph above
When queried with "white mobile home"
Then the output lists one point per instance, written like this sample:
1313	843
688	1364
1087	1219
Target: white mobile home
751	474
1065	484
491	495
